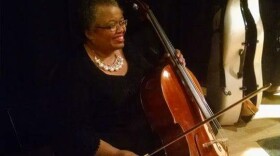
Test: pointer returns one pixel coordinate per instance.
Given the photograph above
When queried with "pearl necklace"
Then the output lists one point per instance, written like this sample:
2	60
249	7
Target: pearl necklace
117	65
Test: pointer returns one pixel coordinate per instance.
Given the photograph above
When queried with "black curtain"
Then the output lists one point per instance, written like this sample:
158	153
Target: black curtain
270	14
34	36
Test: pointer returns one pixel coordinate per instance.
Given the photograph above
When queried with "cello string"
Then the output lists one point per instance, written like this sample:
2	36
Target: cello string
201	98
214	121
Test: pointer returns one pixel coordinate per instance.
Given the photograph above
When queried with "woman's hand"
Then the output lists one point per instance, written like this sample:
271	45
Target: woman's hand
180	57
125	153
106	149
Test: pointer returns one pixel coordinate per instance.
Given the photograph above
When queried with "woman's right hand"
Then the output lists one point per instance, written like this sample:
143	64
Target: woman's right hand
125	153
105	149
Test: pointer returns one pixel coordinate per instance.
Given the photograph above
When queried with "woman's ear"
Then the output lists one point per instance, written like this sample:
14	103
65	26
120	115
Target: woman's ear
89	34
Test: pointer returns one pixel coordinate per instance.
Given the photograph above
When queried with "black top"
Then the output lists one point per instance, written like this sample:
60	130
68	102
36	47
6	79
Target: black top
89	105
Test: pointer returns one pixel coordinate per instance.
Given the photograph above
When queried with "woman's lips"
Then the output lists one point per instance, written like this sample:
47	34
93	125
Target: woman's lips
119	38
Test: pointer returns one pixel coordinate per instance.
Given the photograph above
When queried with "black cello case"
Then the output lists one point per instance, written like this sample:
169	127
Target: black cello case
235	67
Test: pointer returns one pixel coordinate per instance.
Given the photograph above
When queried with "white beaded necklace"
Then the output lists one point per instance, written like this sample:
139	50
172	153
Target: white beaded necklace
117	65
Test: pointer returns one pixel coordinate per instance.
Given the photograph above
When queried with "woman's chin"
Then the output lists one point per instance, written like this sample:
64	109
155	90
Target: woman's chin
119	45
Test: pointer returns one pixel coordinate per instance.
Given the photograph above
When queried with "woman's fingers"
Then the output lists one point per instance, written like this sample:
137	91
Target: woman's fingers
180	57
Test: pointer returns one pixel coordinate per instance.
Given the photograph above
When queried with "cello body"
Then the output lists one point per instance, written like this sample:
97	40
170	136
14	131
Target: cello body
235	61
162	92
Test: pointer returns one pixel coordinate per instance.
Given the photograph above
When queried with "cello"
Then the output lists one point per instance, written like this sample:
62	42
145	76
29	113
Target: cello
174	103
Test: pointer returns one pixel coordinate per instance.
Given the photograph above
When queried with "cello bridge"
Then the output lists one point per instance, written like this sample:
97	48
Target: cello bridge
211	142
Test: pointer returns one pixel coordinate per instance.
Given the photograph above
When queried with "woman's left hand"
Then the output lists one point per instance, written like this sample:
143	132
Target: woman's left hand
180	57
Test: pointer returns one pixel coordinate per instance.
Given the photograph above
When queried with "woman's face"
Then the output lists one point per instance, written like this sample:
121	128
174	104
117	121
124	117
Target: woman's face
107	33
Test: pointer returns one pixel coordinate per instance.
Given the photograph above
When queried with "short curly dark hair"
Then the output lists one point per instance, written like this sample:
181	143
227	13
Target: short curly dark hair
87	11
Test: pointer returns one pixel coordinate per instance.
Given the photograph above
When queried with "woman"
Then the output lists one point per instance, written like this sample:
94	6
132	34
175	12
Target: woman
97	105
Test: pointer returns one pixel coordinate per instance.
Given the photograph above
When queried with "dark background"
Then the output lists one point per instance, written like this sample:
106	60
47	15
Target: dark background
36	34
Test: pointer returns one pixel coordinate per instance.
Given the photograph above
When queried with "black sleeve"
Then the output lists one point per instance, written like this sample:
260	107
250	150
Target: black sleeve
69	100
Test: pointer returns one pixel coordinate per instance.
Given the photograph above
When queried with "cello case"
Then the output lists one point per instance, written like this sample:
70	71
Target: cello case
235	61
